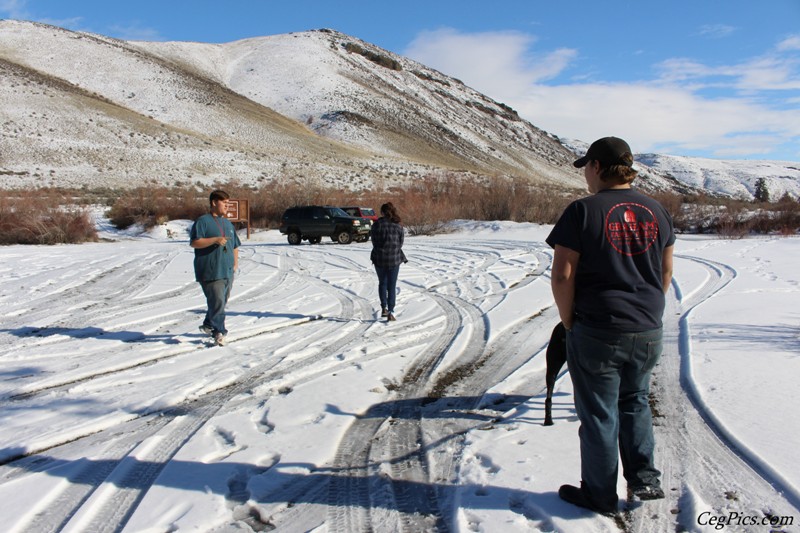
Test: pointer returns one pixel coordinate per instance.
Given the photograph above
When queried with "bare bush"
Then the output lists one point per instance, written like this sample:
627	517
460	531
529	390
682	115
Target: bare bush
543	204
43	218
732	218
149	205
732	226
672	202
787	219
427	205
436	200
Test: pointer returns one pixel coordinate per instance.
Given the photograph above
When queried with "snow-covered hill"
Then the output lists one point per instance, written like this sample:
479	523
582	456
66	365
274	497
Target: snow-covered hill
86	109
729	178
320	106
735	178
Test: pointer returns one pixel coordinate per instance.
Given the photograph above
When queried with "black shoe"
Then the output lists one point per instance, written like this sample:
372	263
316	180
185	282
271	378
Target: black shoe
648	492
576	496
384	312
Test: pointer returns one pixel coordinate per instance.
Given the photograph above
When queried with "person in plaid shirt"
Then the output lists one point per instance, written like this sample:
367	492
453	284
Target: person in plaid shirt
387	254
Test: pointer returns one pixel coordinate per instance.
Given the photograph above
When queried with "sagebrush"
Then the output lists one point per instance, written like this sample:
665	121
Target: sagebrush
44	217
51	216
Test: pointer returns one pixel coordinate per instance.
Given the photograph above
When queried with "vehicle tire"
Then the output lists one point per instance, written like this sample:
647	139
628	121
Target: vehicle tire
315	240
294	237
343	237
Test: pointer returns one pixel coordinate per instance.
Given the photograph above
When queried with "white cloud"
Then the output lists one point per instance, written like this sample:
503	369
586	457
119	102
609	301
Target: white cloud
74	23
14	9
17	9
716	31
749	114
769	74
658	118
496	58
774	71
789	44
135	32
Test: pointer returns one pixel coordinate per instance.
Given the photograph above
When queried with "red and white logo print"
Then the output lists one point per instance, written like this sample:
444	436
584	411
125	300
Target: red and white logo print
631	228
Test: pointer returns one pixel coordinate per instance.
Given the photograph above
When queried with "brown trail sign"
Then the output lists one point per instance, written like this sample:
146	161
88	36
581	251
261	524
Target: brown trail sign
239	211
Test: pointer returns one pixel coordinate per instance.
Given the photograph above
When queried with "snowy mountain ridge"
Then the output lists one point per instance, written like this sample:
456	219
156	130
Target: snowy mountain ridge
319	106
734	178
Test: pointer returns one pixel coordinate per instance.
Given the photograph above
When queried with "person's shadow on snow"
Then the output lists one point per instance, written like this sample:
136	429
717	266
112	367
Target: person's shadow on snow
302	483
90	333
360	485
486	409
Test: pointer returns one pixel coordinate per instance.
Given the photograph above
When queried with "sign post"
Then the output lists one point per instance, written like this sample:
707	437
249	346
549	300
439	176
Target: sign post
239	211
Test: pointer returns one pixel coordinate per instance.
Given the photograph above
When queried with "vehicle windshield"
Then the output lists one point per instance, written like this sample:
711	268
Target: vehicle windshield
368	212
336	212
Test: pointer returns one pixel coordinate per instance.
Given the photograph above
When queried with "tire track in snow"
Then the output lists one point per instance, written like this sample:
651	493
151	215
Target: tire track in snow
91	371
100	505
406	496
374	435
95	289
690	440
107	505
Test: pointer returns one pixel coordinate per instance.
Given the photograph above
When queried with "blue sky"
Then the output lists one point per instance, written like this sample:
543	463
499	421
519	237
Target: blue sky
709	78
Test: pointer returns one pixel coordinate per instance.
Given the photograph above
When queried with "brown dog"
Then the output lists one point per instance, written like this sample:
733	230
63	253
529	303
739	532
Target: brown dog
556	357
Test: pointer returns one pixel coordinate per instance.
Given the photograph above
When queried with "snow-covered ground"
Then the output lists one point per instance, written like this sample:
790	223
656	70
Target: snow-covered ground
116	414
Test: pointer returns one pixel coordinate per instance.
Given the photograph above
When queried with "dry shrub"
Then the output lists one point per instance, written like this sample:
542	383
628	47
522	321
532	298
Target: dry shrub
732	226
510	199
734	219
427	206
762	221
431	203
542	204
672	202
42	218
787	219
268	203
151	205
737	219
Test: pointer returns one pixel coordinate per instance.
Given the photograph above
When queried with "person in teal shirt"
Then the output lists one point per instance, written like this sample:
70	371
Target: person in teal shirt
216	258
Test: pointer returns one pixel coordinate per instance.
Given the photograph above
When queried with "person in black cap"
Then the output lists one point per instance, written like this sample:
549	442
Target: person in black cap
612	267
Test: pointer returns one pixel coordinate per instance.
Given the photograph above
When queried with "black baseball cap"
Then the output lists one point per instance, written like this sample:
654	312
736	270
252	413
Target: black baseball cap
609	151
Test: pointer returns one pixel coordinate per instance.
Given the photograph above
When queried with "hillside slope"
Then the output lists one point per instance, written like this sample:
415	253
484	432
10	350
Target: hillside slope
82	109
352	91
317	107
728	178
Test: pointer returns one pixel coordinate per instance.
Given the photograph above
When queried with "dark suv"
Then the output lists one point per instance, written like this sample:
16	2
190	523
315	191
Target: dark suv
312	222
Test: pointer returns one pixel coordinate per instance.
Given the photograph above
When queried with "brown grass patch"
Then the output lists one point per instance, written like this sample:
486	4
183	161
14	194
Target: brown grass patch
43	218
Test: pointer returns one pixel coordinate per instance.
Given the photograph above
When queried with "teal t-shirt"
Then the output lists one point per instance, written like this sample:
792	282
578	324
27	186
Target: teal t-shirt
215	261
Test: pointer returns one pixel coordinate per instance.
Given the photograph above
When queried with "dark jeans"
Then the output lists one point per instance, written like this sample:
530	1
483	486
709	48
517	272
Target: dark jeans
610	374
217	292
387	285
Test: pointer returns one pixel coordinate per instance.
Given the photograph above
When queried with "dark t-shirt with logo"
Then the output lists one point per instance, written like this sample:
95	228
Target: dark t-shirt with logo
621	235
